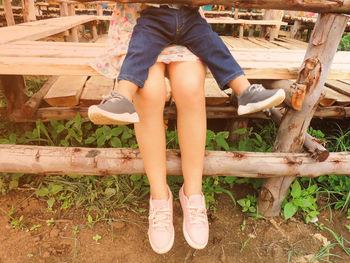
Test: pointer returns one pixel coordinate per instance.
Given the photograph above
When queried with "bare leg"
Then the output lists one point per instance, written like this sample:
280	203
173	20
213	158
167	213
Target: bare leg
187	82
149	103
128	89
239	84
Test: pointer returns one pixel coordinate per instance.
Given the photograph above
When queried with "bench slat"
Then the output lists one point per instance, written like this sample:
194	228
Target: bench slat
66	91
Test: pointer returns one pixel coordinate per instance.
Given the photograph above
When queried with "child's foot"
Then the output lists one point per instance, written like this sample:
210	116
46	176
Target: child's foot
257	98
195	220
161	230
114	109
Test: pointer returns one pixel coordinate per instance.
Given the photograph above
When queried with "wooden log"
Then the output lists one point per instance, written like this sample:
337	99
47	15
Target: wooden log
291	133
102	161
295	93
316	6
8	13
29	108
213	112
318	152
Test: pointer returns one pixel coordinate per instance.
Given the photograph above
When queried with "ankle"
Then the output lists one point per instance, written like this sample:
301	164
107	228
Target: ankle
160	194
127	89
188	191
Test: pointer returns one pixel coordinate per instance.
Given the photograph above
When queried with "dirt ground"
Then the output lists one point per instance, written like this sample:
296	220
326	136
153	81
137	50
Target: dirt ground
273	240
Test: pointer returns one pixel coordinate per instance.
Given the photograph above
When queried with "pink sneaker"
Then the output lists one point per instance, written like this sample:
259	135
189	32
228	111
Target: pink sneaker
195	221
161	229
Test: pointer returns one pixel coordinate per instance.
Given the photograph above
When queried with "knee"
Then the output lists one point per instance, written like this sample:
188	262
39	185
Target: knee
189	90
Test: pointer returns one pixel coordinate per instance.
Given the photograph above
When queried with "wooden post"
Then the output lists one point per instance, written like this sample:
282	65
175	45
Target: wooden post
236	13
15	90
273	15
233	126
64	12
241	30
99	9
292	131
294	32
8	13
94	33
28	9
74	31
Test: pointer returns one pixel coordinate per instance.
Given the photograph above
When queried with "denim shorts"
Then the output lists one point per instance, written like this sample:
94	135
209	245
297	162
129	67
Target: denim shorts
158	28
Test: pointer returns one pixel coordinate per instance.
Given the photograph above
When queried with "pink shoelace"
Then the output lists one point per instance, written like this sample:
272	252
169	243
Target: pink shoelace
197	215
160	217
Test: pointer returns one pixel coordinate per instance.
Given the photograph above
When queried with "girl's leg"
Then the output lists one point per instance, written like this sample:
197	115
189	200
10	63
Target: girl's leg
149	103
187	84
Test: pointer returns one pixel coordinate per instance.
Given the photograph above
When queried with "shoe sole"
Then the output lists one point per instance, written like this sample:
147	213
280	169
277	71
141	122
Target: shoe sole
163	250
189	240
99	116
275	100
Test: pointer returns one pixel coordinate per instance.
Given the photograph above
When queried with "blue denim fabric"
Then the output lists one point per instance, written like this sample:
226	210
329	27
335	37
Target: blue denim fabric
159	27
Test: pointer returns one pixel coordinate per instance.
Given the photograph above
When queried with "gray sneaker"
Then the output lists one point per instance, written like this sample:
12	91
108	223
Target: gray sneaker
257	98
113	109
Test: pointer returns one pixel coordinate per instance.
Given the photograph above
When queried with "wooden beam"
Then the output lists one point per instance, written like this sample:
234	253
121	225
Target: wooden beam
102	161
29	108
213	112
293	128
316	6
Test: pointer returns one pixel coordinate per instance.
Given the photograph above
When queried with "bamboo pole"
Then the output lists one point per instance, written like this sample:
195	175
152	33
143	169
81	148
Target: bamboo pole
102	161
291	134
8	13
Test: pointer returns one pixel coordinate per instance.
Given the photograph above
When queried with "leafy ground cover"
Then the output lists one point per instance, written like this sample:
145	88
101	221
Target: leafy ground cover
64	218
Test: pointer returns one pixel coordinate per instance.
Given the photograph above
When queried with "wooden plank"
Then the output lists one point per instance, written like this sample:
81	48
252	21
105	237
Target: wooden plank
42	28
66	91
332	96
339	86
95	88
213	94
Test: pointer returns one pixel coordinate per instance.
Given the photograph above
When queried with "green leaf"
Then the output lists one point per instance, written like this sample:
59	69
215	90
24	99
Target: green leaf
90	140
296	189
289	210
54	189
42	191
115	142
101	140
220	140
241	131
110	192
50	202
117	131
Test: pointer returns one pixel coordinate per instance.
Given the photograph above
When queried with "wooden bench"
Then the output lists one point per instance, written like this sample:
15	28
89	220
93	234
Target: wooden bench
274	24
